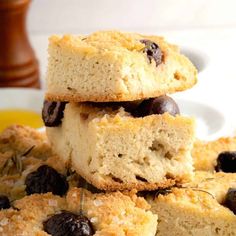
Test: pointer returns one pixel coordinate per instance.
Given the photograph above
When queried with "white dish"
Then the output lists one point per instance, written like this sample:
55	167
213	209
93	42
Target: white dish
24	98
211	123
199	58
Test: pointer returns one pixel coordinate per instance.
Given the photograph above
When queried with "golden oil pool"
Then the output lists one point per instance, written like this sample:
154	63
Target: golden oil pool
19	117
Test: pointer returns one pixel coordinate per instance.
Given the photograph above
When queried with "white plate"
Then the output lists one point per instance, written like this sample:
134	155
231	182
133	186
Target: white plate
211	123
198	57
31	99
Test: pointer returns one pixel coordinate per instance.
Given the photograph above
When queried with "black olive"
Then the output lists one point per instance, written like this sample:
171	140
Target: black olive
53	113
230	200
226	162
4	202
157	105
68	224
46	179
153	51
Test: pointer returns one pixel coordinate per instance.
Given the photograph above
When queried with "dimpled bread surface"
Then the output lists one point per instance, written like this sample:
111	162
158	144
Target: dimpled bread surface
196	208
205	154
111	66
111	214
115	151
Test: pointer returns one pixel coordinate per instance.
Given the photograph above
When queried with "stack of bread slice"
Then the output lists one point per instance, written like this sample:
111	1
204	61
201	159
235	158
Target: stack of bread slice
107	113
112	125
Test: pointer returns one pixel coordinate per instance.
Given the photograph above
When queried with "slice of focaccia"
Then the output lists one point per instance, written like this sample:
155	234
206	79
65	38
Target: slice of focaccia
115	66
114	150
204	207
93	214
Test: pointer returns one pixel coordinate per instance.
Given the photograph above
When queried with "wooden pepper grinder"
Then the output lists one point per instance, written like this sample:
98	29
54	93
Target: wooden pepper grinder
18	64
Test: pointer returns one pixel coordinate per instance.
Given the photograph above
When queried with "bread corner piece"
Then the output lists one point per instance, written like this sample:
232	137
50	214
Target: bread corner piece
115	151
197	209
111	66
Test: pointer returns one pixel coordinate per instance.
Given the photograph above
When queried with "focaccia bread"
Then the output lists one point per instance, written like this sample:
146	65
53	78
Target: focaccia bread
199	208
109	214
22	151
113	150
30	167
115	66
205	154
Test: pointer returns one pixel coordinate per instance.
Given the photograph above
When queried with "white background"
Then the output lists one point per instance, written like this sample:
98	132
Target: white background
89	15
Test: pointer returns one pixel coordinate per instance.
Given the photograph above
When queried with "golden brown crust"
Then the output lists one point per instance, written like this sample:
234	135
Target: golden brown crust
75	97
15	141
217	184
110	212
205	153
20	138
118	69
113	185
196	208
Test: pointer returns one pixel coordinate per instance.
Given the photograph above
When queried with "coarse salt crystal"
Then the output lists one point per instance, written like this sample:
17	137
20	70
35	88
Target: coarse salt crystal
89	212
94	219
123	213
97	202
116	219
4	221
52	202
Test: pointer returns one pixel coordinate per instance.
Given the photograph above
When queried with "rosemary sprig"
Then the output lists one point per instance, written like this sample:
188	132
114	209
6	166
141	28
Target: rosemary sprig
81	203
198	189
14	162
164	191
155	193
167	191
83	184
28	151
204	191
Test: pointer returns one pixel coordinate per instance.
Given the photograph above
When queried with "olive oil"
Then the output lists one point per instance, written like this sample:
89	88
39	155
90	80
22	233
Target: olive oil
19	117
